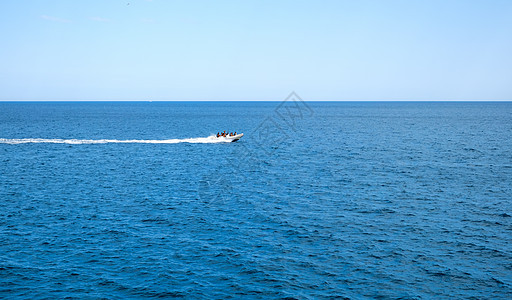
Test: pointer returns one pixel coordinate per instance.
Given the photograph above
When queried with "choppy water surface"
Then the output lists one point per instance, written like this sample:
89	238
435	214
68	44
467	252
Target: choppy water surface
355	200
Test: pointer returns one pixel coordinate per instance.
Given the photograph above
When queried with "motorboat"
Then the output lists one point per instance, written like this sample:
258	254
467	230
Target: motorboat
232	138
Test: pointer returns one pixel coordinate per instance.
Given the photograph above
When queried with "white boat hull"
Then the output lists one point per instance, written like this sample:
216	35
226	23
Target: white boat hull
233	138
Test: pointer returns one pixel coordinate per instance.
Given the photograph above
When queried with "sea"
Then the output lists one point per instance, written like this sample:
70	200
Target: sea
318	200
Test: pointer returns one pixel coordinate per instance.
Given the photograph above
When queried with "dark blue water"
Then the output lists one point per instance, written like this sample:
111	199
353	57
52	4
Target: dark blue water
316	201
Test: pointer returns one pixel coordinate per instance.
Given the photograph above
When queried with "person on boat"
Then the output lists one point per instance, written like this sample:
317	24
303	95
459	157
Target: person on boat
218	134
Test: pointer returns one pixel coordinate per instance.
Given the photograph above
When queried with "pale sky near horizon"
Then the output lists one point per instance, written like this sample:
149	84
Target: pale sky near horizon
256	50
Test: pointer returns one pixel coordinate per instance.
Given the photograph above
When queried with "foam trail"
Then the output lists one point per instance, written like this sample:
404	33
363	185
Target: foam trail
201	140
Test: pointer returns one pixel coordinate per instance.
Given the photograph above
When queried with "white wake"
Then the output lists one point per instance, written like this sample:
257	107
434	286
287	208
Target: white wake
201	140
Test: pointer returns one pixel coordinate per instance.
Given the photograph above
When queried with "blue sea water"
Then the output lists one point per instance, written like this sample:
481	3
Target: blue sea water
318	200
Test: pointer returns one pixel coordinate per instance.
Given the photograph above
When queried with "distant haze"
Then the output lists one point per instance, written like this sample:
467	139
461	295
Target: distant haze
256	50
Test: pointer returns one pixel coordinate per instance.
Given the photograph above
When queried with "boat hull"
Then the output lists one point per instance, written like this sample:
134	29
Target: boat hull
233	138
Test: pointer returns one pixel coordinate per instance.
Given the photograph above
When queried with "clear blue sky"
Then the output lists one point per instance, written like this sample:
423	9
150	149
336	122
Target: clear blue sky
250	50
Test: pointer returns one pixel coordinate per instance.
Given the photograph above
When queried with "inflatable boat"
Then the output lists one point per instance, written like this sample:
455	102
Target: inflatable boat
232	138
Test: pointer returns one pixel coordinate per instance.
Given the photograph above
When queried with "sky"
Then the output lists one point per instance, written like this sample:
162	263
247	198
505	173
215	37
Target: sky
255	50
